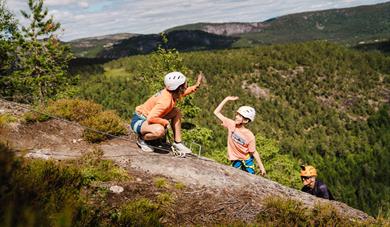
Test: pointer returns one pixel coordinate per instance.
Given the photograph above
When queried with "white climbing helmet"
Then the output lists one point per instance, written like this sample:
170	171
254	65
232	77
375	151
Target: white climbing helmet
173	80
247	112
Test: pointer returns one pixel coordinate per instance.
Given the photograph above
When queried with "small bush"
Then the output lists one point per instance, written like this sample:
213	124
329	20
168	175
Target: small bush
160	182
36	116
141	212
199	135
283	212
326	215
219	156
94	168
107	122
84	112
179	186
165	199
287	212
6	118
73	109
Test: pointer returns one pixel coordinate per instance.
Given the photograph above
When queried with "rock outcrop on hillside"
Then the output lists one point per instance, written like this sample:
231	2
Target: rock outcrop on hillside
230	189
229	29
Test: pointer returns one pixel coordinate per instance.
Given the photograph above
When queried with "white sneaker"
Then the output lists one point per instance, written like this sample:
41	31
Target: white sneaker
181	148
144	146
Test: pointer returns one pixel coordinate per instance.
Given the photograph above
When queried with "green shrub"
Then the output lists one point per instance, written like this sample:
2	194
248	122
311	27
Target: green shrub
41	193
180	186
219	156
6	118
107	122
94	168
326	215
36	192
282	168
36	116
86	113
165	199
283	212
198	135
287	212
73	109
160	182
141	212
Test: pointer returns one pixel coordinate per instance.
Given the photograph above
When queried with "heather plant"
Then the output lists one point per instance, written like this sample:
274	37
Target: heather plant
141	212
283	212
100	124
6	119
36	115
160	182
73	109
280	211
108	122
94	168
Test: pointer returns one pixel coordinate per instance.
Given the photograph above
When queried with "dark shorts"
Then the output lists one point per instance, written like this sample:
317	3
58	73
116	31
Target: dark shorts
136	123
246	165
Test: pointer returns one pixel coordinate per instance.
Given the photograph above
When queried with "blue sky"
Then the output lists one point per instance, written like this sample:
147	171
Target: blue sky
86	18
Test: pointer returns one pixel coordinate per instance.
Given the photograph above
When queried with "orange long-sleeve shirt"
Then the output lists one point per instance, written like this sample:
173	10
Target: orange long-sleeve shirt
160	104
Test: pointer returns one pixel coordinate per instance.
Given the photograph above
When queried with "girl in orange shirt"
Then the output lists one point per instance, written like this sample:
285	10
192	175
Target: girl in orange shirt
151	119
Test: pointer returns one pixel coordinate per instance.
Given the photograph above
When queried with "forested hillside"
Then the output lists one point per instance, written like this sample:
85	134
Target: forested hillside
317	103
180	40
90	47
347	25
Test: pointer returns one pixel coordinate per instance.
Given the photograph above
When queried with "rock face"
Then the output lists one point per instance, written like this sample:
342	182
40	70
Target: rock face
56	139
229	29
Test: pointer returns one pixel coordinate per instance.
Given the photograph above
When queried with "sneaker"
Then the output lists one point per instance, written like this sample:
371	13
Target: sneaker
181	148
144	146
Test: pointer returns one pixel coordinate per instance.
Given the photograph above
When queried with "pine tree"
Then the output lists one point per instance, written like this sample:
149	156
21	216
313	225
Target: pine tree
42	58
8	34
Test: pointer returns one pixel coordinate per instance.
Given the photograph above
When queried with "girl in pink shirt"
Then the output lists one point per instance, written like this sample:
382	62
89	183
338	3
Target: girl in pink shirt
241	142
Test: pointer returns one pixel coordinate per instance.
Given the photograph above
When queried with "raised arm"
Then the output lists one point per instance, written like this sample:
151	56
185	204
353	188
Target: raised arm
217	111
194	87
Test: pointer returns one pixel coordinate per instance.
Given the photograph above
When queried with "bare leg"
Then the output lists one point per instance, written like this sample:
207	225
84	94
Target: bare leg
152	131
175	117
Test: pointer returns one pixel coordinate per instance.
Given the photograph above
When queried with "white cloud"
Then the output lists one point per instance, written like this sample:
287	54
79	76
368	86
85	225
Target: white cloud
83	4
59	2
98	17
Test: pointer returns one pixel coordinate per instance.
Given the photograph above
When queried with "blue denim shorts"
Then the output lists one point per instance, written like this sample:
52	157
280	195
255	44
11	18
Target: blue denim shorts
136	123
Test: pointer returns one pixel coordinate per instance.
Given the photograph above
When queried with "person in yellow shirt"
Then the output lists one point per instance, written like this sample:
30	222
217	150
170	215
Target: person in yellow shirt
151	119
241	142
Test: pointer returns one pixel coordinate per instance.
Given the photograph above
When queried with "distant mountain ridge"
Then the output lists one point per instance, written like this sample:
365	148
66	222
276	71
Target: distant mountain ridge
181	40
356	24
351	26
91	46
